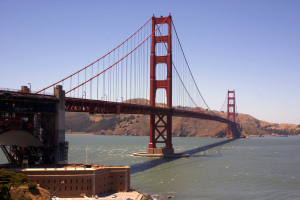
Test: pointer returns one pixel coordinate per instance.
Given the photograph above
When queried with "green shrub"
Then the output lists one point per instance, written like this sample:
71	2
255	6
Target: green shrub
32	186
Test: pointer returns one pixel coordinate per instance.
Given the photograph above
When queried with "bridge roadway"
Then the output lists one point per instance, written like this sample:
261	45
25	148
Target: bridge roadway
106	107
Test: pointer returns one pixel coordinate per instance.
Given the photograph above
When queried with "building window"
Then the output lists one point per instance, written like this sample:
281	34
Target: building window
54	181
121	190
81	187
81	180
70	187
100	179
43	181
87	180
121	176
111	183
111	177
48	188
90	187
37	181
71	180
76	187
120	183
65	188
59	188
90	180
54	188
48	181
87	187
66	181
76	180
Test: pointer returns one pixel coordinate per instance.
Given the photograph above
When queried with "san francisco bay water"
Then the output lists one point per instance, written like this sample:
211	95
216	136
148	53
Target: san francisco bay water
256	168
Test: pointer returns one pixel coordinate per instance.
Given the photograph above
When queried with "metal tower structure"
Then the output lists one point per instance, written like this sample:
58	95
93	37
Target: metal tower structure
231	112
161	129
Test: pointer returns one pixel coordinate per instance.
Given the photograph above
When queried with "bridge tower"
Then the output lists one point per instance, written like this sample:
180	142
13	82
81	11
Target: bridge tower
231	112
161	129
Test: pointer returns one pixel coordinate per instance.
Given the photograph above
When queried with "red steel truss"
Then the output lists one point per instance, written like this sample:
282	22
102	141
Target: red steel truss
31	113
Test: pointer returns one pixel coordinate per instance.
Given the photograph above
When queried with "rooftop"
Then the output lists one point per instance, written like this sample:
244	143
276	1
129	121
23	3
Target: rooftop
59	167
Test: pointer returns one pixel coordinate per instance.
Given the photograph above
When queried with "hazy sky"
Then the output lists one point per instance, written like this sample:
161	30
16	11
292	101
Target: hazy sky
252	47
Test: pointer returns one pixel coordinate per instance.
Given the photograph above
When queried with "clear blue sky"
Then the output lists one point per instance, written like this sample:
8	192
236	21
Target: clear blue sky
250	46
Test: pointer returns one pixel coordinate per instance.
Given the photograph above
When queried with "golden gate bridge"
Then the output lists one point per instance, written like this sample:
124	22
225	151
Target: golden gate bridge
150	64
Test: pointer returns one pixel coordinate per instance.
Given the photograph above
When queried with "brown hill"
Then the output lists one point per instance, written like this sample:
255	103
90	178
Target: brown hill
23	192
182	126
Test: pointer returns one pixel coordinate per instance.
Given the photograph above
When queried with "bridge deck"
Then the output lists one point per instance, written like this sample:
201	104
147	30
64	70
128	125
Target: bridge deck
98	106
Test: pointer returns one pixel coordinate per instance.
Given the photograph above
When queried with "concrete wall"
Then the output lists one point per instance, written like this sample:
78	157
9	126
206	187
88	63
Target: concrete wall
59	124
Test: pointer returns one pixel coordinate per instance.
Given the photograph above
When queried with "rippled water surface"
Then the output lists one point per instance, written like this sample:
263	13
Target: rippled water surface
256	168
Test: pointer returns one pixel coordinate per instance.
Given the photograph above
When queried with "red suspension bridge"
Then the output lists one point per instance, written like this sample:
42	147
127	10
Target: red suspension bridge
150	64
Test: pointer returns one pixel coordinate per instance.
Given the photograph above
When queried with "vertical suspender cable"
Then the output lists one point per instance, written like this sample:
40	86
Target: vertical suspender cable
103	81
97	80
91	84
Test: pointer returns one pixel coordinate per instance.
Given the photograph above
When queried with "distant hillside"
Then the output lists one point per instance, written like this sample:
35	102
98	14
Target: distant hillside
182	126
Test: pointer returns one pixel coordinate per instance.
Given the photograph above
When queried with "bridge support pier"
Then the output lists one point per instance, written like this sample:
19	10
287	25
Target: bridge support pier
160	127
61	146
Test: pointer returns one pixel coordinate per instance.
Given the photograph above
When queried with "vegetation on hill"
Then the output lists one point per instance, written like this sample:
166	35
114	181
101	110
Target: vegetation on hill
82	122
8	180
16	186
77	122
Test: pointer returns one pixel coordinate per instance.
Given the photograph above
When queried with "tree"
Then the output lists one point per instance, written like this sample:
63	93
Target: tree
32	186
257	122
10	179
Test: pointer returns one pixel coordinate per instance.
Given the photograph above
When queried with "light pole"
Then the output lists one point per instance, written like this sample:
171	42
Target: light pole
105	97
84	94
29	86
86	154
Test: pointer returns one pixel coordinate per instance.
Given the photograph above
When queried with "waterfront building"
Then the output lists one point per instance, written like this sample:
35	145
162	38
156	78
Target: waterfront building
80	180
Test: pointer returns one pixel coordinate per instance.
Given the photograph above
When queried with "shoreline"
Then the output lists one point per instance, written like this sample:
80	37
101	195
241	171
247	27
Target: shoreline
68	133
83	133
